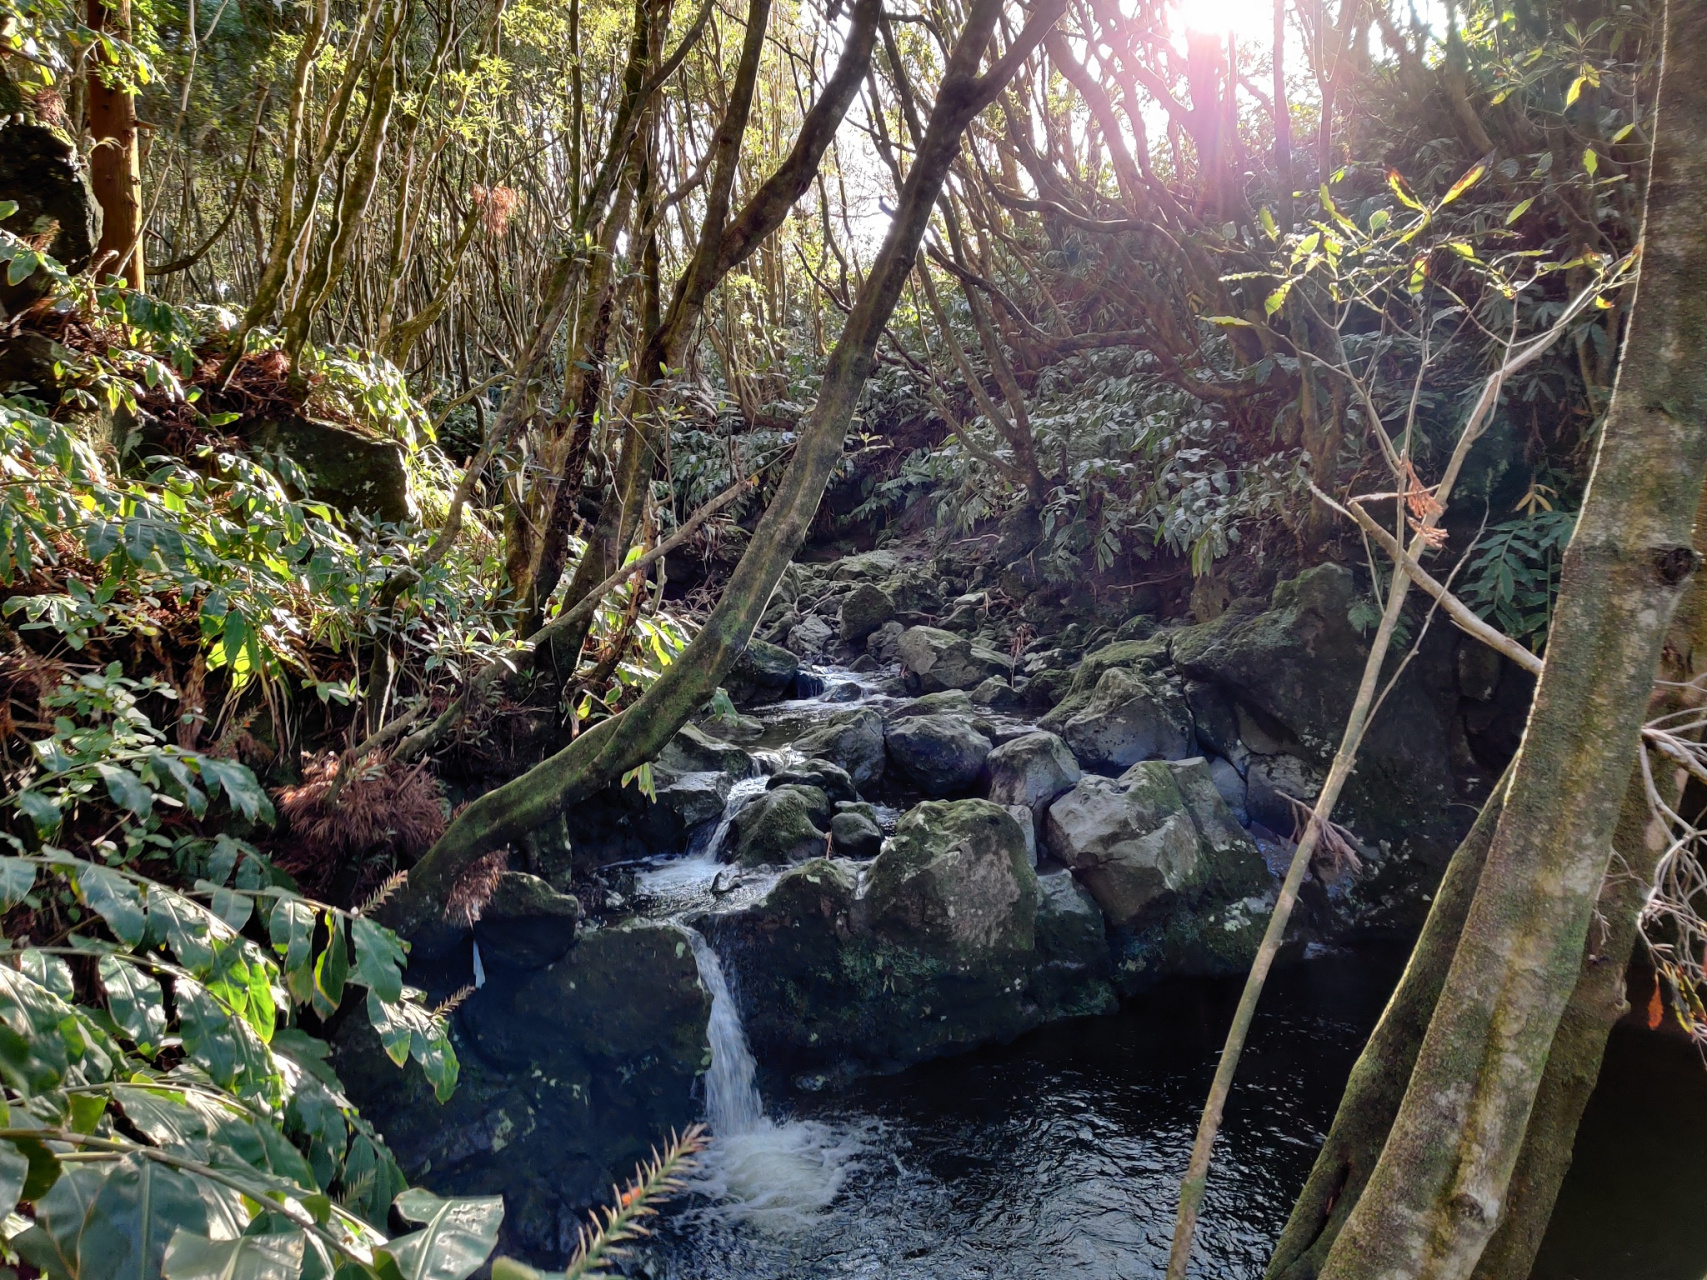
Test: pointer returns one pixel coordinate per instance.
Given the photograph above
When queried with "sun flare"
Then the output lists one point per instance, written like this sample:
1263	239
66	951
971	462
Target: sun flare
1247	20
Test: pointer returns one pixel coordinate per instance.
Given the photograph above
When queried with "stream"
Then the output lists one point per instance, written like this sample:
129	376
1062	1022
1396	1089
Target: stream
1058	1155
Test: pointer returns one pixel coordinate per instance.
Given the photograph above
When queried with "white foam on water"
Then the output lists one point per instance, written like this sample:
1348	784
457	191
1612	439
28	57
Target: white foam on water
777	1175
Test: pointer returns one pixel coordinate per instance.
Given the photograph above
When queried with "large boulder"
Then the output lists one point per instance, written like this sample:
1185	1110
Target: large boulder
831	779
955	880
1032	770
940	755
868	566
693	750
938	660
346	468
526	923
45	175
763	673
1129	717
852	739
569	1074
1072	944
785	825
1158	835
855	834
810	636
864	610
1291	672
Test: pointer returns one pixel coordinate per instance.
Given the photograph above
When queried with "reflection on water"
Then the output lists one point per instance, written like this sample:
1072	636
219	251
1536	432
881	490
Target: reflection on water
1058	1156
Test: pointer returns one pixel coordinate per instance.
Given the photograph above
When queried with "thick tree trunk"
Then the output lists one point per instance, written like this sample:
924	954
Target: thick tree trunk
1437	1194
609	749
115	166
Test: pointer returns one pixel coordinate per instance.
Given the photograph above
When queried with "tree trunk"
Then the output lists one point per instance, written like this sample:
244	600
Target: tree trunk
115	167
602	754
1437	1194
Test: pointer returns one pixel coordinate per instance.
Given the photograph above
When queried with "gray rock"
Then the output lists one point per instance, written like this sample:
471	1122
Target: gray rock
831	779
864	609
785	825
998	695
1143	842
1230	783
694	750
843	691
939	660
347	469
869	566
852	739
883	646
569	1073
1072	944
950	702
810	636
1028	823
1128	718
854	835
1271	781
526	923
763	673
955	880
45	175
1032	770
940	755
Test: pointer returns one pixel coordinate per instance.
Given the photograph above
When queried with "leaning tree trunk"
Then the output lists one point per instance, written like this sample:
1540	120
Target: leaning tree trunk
602	754
1438	1191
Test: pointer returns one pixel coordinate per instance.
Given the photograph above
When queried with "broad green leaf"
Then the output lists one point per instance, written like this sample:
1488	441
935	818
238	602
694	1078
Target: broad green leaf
186	927
1591	162
35	1052
208	1034
455	1241
242	792
50	972
265	1257
53	1245
379	959
14	1172
331	969
1277	299
233	908
42	810
115	899
135	1001
292	931
138	1209
17	878
127	790
1518	210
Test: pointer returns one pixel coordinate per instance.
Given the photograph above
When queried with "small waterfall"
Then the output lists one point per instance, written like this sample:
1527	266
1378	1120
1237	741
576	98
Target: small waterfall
732	1102
778	1175
739	794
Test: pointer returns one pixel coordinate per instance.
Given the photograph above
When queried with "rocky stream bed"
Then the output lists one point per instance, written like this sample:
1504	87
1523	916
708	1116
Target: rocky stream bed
899	841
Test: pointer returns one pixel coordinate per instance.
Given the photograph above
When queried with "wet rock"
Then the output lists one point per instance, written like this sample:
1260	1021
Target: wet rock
526	923
854	835
1157	835
955	880
1046	688
1272	783
1072	948
763	673
1230	784
939	660
694	750
852	739
831	779
569	1074
810	636
883	646
1128	718
1143	656
1028	824
998	695
864	609
347	469
950	702
844	691
1032	770
940	755
1215	719
684	801
785	825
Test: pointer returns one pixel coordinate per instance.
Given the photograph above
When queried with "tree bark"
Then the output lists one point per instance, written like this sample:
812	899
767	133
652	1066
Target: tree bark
609	749
115	169
1437	1194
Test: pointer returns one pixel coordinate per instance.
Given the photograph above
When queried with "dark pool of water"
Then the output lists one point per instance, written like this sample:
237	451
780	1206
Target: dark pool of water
1059	1155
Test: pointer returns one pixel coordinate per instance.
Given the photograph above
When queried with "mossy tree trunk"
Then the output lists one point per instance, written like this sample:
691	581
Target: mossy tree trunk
1437	1194
602	754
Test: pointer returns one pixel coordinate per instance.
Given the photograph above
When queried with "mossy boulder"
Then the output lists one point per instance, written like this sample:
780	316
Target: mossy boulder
1129	717
852	739
763	673
569	1074
940	755
864	609
934	660
784	825
1032	770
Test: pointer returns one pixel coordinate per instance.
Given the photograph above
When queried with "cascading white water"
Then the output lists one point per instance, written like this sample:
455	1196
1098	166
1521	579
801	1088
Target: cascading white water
777	1174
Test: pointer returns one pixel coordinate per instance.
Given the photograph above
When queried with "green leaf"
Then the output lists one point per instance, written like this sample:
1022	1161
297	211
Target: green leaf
379	959
135	1001
207	1031
53	1245
42	810
127	790
38	1035
14	1172
1591	162
455	1241
50	972
115	899
1522	207
242	791
1277	299
137	1210
265	1257
292	931
331	969
17	878
184	926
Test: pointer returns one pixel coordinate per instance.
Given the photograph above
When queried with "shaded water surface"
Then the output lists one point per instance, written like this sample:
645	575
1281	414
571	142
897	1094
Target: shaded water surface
1058	1155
